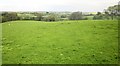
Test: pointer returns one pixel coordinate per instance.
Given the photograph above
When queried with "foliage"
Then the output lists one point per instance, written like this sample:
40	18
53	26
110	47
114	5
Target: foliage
98	16
38	16
114	11
76	16
0	18
49	18
63	16
26	16
9	16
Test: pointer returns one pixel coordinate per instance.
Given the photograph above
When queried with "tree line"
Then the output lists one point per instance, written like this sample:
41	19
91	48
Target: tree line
111	12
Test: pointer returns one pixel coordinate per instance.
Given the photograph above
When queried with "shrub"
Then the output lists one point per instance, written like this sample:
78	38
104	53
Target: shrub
4	19
38	16
76	16
98	16
9	16
49	18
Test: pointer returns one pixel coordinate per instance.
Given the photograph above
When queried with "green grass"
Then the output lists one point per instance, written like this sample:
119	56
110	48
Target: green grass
71	42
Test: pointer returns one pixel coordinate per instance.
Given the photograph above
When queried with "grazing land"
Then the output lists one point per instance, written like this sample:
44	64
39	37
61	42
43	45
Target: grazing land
65	42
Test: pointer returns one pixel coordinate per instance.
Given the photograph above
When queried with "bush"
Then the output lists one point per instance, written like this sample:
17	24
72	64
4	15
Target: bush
63	16
38	16
49	18
76	16
4	19
98	16
0	19
9	16
85	18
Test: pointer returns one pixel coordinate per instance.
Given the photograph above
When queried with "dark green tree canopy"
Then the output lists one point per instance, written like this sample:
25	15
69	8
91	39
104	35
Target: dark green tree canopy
76	16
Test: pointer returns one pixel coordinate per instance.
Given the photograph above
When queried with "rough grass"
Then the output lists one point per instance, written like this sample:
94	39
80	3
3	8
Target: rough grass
72	42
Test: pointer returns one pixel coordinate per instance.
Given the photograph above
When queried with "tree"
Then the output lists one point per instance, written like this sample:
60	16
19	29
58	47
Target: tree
49	18
63	16
114	11
76	16
99	15
38	16
4	19
106	14
0	18
9	16
13	16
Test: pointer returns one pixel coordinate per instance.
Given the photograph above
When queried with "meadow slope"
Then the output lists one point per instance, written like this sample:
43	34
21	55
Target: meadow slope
71	42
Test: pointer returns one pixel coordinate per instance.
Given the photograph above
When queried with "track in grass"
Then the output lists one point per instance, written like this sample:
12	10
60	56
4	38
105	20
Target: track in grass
72	42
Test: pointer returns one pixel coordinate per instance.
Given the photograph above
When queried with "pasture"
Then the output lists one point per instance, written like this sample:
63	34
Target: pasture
65	42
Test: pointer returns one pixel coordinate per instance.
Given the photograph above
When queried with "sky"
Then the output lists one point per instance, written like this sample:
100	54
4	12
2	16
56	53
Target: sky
56	5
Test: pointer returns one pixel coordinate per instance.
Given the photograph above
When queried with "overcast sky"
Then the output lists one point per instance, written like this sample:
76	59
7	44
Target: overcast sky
56	5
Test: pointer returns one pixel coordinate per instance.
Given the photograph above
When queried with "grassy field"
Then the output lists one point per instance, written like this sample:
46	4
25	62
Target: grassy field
72	42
